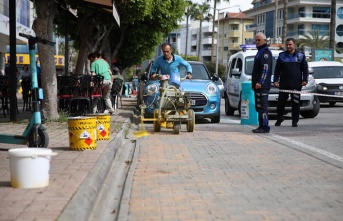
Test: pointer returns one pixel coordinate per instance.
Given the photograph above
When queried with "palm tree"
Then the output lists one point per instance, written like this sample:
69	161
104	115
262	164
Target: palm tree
314	39
332	24
284	25
189	11
213	24
201	14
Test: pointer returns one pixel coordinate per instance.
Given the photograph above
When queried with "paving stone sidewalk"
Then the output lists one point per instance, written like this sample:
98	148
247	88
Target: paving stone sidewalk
68	170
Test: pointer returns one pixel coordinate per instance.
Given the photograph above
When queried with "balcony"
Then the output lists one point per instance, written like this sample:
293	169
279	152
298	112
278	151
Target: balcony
234	46
298	33
234	33
309	17
251	27
208	40
206	52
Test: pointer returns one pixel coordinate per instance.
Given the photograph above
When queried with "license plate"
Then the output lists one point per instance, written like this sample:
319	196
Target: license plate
192	102
338	93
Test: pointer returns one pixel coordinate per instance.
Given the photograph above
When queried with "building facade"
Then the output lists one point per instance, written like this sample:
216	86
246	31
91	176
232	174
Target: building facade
232	33
303	16
24	20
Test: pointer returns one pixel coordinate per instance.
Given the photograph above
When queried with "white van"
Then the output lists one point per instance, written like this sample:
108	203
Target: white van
240	68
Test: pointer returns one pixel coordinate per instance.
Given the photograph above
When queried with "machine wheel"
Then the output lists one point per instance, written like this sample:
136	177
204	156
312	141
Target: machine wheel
176	128
191	121
157	126
43	138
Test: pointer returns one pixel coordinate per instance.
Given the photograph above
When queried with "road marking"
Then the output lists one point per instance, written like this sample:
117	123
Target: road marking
314	149
276	138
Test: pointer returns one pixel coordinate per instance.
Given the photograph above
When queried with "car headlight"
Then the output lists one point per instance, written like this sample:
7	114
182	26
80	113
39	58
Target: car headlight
151	89
211	88
322	87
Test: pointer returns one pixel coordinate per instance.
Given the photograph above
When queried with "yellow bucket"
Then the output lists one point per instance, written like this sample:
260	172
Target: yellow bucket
82	133
103	126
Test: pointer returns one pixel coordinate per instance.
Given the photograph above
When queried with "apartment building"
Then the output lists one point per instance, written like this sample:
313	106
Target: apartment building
232	33
303	16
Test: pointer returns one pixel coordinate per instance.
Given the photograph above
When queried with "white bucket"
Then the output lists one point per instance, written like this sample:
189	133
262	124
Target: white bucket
30	167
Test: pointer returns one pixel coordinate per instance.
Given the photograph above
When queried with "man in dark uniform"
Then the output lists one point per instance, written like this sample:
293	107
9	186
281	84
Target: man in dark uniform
291	73
261	82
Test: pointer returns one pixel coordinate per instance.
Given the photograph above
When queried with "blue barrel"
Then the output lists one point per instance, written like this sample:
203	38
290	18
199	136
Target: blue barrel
249	115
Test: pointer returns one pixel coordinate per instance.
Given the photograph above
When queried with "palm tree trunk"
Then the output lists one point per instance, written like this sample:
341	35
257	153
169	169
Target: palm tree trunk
332	24
213	24
285	15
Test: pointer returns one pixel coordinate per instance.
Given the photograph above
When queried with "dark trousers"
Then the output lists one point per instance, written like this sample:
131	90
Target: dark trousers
261	106
295	99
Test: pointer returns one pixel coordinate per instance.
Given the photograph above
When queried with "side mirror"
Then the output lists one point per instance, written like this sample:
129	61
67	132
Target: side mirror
310	70
215	77
235	71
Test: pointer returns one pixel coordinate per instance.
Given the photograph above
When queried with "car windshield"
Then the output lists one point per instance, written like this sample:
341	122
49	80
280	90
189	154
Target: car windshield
249	64
327	72
198	72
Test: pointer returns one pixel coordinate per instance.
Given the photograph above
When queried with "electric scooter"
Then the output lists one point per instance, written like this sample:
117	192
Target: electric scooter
35	134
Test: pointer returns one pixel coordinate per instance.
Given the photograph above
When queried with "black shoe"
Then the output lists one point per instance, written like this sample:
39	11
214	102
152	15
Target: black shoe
278	123
260	130
294	125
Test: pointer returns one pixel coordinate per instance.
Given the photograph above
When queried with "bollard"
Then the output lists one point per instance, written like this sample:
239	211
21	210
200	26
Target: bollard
248	113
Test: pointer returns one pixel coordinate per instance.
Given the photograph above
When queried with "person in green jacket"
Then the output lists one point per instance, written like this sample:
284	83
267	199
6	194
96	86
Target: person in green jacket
100	67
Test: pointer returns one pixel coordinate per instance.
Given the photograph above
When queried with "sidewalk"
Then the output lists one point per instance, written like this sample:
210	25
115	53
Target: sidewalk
68	170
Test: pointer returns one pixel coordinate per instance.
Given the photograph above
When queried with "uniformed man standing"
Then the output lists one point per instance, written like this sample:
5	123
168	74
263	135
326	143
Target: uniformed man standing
291	73
261	82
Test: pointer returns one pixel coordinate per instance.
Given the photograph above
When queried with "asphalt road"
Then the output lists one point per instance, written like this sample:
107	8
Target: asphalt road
321	135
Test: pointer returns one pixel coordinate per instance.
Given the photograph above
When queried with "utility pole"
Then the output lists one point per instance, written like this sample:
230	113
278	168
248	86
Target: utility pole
275	21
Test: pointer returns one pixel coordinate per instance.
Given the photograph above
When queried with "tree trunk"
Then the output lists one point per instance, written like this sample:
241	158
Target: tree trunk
285	15
200	42
43	27
85	28
332	24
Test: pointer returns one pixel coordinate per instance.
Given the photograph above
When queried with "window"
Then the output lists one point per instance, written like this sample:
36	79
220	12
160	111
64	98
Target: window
323	29
302	12
239	64
321	12
340	13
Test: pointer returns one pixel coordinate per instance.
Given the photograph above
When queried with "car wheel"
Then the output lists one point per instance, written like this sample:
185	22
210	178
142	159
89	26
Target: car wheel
239	107
332	103
313	113
215	119
229	111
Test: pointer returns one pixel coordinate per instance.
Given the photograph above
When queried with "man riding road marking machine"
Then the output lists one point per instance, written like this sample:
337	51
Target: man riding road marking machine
173	108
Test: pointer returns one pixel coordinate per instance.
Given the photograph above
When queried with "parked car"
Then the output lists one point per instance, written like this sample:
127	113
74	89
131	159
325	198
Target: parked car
202	91
329	78
240	67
